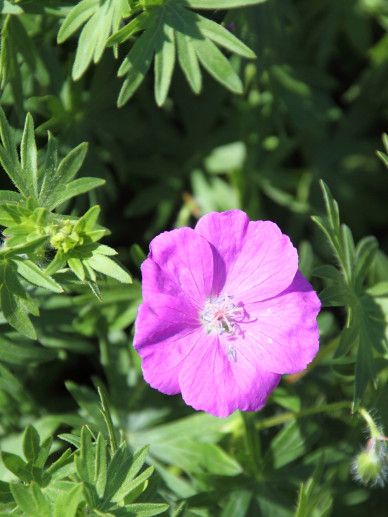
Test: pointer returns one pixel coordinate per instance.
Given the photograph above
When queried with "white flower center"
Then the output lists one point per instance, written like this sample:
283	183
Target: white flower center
220	314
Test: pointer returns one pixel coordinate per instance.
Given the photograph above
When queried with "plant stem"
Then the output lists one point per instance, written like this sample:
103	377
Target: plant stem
252	444
291	416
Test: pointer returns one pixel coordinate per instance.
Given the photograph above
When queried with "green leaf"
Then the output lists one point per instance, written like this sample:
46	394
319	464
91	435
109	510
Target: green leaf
138	61
288	445
25	248
237	504
188	61
223	37
16	465
15	313
88	221
164	65
8	155
29	157
31	500
130	482
36	276
101	465
105	265
130	29
31	442
365	252
217	65
5	493
72	189
77	268
71	163
117	471
76	18
65	459
67	502
84	460
92	37
222	4
20	354
147	509
9	196
331	207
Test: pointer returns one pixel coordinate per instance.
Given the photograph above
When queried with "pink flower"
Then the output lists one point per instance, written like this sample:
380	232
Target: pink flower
225	313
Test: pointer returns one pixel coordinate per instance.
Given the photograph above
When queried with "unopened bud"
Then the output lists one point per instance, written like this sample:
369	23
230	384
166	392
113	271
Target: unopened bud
370	466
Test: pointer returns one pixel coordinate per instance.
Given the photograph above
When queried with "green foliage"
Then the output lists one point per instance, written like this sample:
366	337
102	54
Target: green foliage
32	226
364	334
96	477
255	102
168	29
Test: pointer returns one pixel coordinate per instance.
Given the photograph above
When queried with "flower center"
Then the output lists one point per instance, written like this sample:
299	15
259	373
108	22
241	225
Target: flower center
220	314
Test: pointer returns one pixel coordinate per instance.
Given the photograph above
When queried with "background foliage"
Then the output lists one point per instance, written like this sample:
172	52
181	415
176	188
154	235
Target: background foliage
187	107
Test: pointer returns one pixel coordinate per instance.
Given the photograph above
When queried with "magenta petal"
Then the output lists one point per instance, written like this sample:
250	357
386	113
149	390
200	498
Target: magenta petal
265	266
186	262
211	381
163	334
260	261
225	231
284	333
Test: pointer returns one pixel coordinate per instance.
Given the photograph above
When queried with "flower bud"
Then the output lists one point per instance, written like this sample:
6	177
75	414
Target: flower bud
369	466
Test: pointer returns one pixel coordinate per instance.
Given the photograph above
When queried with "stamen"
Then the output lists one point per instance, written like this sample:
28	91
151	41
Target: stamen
220	314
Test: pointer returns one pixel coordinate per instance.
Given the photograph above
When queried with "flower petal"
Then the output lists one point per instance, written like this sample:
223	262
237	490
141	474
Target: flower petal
186	262
265	266
213	382
260	261
225	231
284	333
163	334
